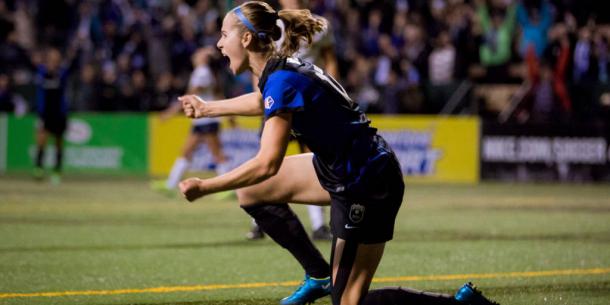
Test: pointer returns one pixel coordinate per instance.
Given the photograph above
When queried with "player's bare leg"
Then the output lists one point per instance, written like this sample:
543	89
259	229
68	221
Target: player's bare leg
215	147
266	202
180	166
353	267
295	182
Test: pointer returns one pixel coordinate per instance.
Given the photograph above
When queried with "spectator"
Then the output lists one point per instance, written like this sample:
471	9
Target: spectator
24	26
107	96
601	54
12	56
6	21
163	92
441	73
393	94
110	43
584	75
495	49
9	100
535	19
543	97
82	95
183	46
135	48
558	55
53	21
142	98
416	49
441	62
459	24
359	82
370	34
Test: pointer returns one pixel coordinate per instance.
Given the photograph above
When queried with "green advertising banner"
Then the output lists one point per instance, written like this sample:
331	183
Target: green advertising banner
3	141
115	143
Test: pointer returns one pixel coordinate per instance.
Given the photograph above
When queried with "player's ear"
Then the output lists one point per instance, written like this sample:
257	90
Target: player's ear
246	39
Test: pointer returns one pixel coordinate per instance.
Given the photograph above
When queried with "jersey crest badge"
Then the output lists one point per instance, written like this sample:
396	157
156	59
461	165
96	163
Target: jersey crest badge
269	102
356	213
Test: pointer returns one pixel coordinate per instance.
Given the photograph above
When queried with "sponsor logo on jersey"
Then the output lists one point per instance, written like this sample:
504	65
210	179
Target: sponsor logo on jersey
269	102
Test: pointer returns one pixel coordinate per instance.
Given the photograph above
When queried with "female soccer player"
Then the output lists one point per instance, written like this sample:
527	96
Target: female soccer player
351	166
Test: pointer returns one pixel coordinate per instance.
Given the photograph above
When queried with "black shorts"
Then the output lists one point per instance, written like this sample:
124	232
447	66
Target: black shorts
206	128
367	215
55	125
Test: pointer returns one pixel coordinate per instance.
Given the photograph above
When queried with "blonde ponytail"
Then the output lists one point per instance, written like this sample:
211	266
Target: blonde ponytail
299	26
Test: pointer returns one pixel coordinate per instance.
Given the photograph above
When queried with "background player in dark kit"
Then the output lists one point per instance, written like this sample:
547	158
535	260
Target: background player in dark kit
51	105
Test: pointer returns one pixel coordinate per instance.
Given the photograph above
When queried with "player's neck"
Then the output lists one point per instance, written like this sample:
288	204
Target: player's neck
258	61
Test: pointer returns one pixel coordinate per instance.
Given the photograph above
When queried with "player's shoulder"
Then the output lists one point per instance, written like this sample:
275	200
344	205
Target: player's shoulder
283	72
284	76
290	73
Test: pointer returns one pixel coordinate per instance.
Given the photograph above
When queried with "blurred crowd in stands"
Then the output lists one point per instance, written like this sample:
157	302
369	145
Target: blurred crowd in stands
529	60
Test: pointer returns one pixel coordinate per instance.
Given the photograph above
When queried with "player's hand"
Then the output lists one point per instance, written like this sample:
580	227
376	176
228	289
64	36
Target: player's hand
187	106
191	189
194	107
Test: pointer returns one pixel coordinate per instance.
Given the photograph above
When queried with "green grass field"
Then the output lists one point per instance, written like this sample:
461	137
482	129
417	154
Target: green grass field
113	241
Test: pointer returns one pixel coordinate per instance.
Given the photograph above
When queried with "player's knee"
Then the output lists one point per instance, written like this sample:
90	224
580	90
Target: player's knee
246	197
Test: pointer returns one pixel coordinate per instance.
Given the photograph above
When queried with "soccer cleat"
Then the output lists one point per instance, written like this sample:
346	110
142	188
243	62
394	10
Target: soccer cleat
469	294
310	290
255	233
322	233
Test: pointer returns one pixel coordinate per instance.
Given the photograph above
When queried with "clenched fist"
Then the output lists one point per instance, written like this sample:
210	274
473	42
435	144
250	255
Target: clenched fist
191	189
194	107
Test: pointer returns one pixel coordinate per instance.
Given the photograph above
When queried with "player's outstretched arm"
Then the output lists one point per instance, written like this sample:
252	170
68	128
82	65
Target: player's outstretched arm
264	165
244	105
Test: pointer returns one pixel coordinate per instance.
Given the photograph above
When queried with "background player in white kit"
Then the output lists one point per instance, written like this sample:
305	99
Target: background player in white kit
205	130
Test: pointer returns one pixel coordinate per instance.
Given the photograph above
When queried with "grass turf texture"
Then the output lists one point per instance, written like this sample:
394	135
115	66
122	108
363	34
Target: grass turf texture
108	234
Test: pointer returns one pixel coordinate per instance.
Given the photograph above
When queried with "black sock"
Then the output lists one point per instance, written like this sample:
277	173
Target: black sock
58	160
346	262
284	227
407	296
39	157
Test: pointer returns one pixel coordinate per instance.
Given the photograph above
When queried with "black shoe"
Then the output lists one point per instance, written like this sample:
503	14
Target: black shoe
255	233
322	233
468	294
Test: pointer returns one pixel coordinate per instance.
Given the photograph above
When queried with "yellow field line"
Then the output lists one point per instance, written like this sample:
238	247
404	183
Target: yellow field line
294	283
493	275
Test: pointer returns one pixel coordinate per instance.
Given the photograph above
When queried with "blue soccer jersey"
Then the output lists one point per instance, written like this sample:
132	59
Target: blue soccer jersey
50	92
324	118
